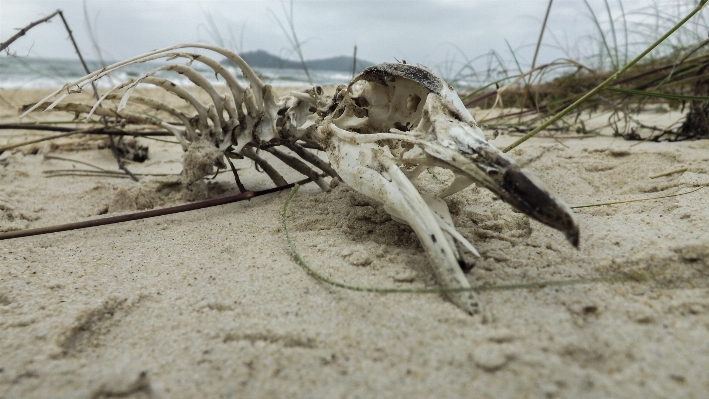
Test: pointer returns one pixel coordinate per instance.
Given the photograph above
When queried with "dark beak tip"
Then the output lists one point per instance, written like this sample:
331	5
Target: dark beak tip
574	241
573	236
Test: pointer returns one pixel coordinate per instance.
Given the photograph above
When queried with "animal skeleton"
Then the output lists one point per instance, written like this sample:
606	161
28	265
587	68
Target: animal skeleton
380	132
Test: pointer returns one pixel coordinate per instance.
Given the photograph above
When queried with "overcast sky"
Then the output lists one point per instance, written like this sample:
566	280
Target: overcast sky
430	32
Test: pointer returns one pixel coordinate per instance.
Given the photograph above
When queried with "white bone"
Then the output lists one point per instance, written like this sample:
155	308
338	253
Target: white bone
106	95
443	217
390	117
185	95
162	107
361	167
460	182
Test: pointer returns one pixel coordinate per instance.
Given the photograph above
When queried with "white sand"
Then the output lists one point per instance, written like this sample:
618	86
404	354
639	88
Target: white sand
209	303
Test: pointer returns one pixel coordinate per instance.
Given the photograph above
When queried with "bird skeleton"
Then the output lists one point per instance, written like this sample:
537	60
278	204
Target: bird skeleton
391	122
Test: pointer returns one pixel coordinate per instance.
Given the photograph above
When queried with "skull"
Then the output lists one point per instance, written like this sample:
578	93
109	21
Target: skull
399	115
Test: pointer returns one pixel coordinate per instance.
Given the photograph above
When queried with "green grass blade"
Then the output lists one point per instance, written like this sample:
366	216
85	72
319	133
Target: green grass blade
616	278
602	34
616	61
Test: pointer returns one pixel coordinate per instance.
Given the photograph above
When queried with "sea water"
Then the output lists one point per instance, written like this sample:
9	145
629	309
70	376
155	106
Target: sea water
42	73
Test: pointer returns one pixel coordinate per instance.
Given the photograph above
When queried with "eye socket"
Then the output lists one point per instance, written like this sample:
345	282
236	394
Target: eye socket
399	126
412	103
361	102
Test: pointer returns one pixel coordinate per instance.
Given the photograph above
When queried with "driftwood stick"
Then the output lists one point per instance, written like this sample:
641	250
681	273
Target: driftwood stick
98	130
114	150
126	218
66	132
121	165
76	47
28	142
148	214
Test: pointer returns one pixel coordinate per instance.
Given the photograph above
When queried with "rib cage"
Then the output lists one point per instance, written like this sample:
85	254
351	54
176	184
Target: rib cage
241	123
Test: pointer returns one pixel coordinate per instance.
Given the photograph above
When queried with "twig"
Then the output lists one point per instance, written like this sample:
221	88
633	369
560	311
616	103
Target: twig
102	130
76	47
639	199
74	161
28	142
24	30
672	172
292	37
68	132
240	185
121	165
565	137
653	129
86	68
114	150
99	130
91	173
105	173
34	126
147	214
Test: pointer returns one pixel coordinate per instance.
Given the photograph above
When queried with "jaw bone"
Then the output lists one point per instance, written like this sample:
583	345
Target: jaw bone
395	115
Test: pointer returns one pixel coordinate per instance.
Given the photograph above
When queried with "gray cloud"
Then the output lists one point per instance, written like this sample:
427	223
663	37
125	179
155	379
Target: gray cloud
428	31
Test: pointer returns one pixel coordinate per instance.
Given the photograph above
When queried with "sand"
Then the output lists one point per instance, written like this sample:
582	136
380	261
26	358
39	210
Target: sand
210	304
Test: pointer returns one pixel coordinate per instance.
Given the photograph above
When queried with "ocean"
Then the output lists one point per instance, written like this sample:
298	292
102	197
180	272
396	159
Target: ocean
41	73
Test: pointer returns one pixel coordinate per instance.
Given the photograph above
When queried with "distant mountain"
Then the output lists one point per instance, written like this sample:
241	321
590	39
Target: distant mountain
264	59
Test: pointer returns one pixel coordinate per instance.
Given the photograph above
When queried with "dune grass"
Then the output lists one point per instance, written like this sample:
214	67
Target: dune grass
672	72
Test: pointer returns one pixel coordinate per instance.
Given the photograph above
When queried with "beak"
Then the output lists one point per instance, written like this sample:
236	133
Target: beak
460	146
526	193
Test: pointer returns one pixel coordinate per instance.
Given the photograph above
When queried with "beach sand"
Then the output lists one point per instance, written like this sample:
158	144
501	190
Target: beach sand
210	304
